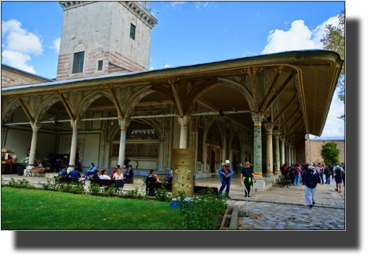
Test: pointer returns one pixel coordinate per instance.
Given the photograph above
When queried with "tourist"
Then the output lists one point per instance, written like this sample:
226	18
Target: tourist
225	173
236	168
75	174
117	167
130	171
90	171
328	173
311	179
321	172
126	161
338	171
246	178
96	174
118	177
152	174
104	175
344	176
284	169
63	172
124	171
297	174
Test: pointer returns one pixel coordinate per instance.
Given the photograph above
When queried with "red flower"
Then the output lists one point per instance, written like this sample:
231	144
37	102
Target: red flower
172	222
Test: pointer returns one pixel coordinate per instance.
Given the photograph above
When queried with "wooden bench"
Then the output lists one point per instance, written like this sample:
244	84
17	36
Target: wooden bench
40	171
106	184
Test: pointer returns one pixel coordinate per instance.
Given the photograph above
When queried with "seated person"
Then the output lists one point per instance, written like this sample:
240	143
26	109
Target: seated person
96	174
152	177
75	174
104	176
90	171
124	171
130	171
114	171
119	179
63	172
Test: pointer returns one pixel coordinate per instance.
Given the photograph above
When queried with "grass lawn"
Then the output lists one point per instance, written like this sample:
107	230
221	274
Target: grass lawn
25	209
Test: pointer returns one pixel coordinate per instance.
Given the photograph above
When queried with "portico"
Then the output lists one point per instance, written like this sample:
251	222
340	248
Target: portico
236	109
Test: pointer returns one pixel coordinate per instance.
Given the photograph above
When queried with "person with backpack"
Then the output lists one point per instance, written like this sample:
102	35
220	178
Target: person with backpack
328	174
311	179
338	171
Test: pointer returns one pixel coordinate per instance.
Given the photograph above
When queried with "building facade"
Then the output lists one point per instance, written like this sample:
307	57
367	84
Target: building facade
258	109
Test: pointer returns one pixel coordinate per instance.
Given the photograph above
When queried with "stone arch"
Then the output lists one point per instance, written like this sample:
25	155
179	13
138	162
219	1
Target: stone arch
203	88
88	100
140	94
45	106
8	108
116	129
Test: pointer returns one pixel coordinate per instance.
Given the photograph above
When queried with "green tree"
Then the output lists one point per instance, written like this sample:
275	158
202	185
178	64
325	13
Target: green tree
334	40
330	152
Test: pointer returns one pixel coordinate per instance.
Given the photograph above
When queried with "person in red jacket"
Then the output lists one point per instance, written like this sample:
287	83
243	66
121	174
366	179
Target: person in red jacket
297	174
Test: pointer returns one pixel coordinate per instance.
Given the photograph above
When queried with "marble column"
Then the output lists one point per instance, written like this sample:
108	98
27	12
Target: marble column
257	149
73	151
107	156
282	139
290	155
123	134
277	165
33	145
269	159
184	121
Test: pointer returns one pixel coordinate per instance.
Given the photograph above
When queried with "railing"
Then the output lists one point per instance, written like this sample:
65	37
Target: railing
146	6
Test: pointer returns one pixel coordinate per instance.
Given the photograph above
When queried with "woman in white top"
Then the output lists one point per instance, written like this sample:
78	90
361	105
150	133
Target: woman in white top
104	176
118	177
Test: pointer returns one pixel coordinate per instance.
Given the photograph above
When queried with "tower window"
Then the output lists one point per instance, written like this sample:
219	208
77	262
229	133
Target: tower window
133	32
78	62
100	65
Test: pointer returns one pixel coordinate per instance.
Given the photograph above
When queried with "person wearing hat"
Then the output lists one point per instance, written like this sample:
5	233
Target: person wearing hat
311	180
225	173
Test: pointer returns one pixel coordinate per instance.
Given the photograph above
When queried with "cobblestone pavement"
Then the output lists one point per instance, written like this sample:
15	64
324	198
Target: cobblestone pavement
271	216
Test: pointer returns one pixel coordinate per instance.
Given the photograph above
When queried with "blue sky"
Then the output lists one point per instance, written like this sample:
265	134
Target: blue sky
187	33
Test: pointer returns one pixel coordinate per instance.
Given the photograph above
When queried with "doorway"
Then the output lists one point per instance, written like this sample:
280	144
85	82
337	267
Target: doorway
212	162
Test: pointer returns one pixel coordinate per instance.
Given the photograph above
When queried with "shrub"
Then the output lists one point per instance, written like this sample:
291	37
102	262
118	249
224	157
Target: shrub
111	191
162	194
132	193
202	212
94	189
330	153
76	188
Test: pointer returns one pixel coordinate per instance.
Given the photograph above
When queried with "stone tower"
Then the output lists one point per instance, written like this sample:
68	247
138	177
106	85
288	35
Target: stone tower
101	38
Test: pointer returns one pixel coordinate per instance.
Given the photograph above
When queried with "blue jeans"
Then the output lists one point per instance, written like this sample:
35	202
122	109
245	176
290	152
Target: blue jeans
327	179
88	173
297	178
321	175
225	182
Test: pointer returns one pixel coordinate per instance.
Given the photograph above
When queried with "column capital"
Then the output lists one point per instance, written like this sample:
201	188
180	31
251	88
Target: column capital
183	120
282	138
124	123
35	126
76	125
268	126
277	133
257	118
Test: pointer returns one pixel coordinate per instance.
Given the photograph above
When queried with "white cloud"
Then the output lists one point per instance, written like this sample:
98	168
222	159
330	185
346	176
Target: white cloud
17	60
201	5
286	23
298	37
18	39
176	4
151	68
57	44
167	66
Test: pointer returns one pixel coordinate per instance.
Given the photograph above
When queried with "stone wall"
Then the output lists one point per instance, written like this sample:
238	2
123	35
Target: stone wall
316	146
11	77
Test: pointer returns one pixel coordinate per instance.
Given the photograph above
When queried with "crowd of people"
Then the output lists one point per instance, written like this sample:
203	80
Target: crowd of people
312	175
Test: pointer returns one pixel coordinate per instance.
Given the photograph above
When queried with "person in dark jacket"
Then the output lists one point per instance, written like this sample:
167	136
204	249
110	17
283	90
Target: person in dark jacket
247	177
75	174
311	179
96	174
63	172
328	173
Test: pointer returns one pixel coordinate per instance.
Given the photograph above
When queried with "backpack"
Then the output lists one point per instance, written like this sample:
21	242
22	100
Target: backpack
338	171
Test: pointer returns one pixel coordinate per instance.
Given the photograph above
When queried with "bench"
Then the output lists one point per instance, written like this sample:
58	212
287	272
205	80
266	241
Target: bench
40	171
129	179
69	180
106	184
